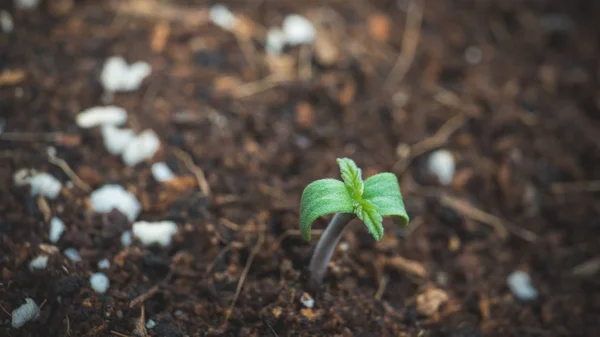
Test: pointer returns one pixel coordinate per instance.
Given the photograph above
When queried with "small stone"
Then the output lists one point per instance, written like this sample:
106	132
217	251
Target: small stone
103	264
99	282
275	41
519	283
307	300
39	263
150	233
44	184
298	30
429	302
72	254
101	115
108	197
161	172
57	227
143	147
117	75
116	140
25	313
126	239
150	324
221	16
441	163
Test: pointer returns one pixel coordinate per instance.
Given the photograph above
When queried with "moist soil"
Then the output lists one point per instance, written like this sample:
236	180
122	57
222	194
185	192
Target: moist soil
511	86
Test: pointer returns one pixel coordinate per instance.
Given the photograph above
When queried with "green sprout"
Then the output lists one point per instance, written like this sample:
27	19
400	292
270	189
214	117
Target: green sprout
369	200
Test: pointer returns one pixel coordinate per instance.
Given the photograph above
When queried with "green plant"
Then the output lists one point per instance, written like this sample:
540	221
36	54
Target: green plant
369	200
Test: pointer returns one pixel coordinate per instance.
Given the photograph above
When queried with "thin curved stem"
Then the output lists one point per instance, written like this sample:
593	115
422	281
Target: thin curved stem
326	246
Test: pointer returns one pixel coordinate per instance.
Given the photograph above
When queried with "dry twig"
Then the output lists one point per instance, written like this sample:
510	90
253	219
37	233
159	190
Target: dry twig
264	84
139	328
198	172
261	240
144	296
500	226
437	140
410	40
118	334
69	172
576	186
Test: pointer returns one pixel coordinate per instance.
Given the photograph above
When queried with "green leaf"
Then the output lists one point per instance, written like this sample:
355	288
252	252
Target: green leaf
352	176
383	191
368	213
321	197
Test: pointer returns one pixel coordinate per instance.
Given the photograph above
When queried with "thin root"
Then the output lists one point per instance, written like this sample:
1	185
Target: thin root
230	224
198	172
410	40
69	172
381	289
218	257
501	227
261	240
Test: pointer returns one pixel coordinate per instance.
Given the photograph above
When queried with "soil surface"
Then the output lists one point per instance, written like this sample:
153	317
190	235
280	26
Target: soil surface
511	88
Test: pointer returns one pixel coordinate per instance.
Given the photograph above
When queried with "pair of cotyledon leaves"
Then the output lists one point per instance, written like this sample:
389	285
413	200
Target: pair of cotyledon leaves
370	200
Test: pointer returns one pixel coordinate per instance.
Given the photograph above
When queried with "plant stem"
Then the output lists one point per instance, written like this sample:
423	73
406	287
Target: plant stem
326	246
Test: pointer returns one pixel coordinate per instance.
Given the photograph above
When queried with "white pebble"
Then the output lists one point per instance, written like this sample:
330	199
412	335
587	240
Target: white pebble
25	313
126	239
26	4
101	115
99	282
473	55
117	75
298	30
344	246
307	300
161	172
39	263
72	254
150	233
109	197
57	227
116	140
22	176
6	24
275	42
520	285
143	147
103	264
221	16
150	324
44	184
441	163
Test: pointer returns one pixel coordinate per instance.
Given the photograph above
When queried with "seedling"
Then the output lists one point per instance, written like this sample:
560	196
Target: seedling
369	200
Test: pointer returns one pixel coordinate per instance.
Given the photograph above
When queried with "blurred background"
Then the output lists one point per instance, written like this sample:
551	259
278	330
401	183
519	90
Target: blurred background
153	154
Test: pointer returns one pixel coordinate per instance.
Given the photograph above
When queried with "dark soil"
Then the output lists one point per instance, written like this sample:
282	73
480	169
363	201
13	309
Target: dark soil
531	110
